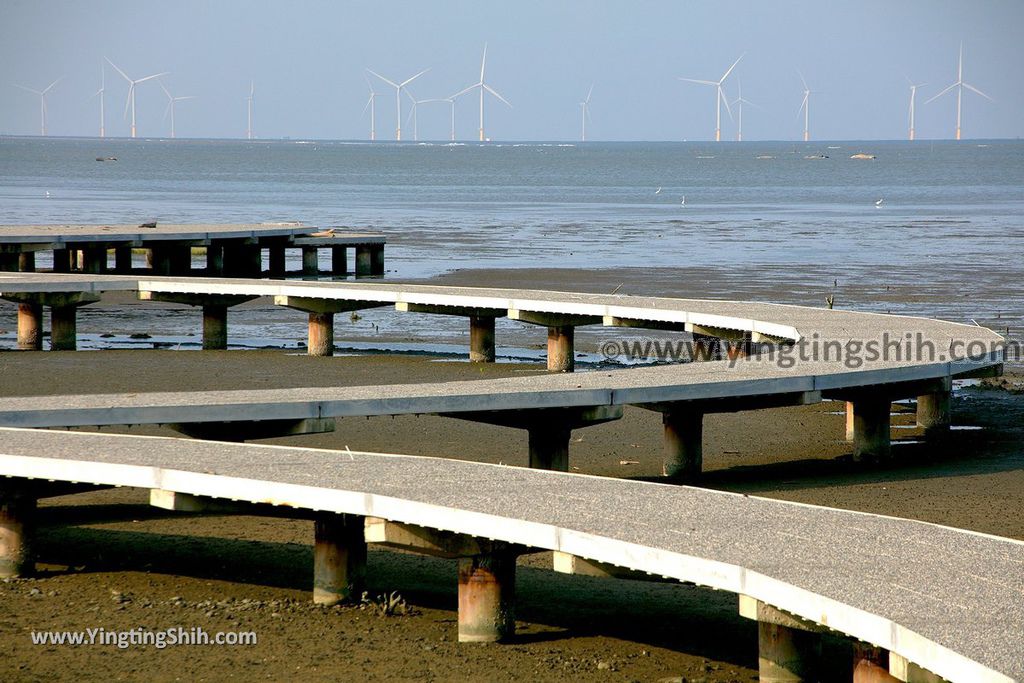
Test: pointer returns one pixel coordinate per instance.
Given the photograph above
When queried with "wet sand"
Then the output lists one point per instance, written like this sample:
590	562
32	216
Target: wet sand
110	560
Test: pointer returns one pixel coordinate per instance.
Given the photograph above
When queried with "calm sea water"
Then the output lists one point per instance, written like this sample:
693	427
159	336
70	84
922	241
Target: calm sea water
950	213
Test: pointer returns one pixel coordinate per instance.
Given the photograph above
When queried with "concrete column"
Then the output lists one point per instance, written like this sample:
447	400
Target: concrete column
487	585
933	412
123	260
95	259
549	447
16	524
684	443
78	260
215	260
61	261
481	339
339	559
27	262
63	328
215	327
377	260
339	260
871	429
786	655
310	261
278	260
160	260
871	664
561	352
364	261
321	334
30	327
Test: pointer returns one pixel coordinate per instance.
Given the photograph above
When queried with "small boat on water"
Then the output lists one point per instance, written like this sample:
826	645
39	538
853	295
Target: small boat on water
861	155
106	158
816	156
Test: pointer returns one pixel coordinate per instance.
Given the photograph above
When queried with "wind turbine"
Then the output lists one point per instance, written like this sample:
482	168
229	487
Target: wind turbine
719	96
170	104
398	96
131	90
483	86
371	105
585	104
913	96
414	117
42	102
249	103
100	94
739	110
960	85
805	106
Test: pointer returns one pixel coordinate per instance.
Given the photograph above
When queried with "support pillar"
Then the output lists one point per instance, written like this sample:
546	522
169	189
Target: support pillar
364	261
310	261
871	664
487	597
871	418
17	514
63	328
481	339
277	255
561	352
339	558
30	326
339	260
215	260
95	260
849	420
684	439
785	654
62	260
215	327
377	260
27	262
549	446
123	260
321	334
933	412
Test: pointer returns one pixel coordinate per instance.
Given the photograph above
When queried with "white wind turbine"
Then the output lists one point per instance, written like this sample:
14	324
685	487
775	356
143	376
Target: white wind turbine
585	104
249	105
805	107
959	85
42	102
100	93
913	96
740	101
130	102
719	96
170	104
398	97
414	116
372	106
483	86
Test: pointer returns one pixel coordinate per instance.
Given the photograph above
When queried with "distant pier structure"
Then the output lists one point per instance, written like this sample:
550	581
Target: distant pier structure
183	250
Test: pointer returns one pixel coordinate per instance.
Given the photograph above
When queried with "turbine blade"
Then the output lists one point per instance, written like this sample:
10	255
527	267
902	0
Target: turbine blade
410	80
118	69
148	78
495	93
389	82
187	97
694	80
49	87
975	90
483	63
128	100
935	97
725	100
166	91
367	105
28	89
589	93
802	80
729	70
466	90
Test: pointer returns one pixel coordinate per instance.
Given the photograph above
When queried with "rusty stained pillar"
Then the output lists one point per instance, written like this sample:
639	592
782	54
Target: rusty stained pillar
481	339
339	558
487	586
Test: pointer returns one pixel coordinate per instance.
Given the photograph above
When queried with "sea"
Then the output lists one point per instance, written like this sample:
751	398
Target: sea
940	217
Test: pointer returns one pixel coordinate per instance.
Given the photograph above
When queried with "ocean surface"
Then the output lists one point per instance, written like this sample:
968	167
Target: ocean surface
943	216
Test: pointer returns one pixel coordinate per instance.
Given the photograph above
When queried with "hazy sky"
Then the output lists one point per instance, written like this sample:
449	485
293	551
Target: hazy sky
308	60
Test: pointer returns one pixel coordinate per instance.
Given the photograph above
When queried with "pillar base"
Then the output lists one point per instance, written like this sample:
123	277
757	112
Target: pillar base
339	559
339	260
684	443
561	351
934	413
30	327
481	339
487	598
871	425
17	514
215	327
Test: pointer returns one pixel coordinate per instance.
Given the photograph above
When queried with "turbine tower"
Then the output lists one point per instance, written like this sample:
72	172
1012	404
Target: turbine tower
42	103
130	102
805	107
398	97
960	85
170	104
719	96
249	102
101	93
372	106
913	96
483	86
740	100
585	104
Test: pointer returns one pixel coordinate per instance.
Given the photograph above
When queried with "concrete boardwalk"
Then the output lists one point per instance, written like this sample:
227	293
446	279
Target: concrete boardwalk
948	601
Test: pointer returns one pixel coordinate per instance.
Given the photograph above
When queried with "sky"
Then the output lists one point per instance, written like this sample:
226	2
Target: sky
308	59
